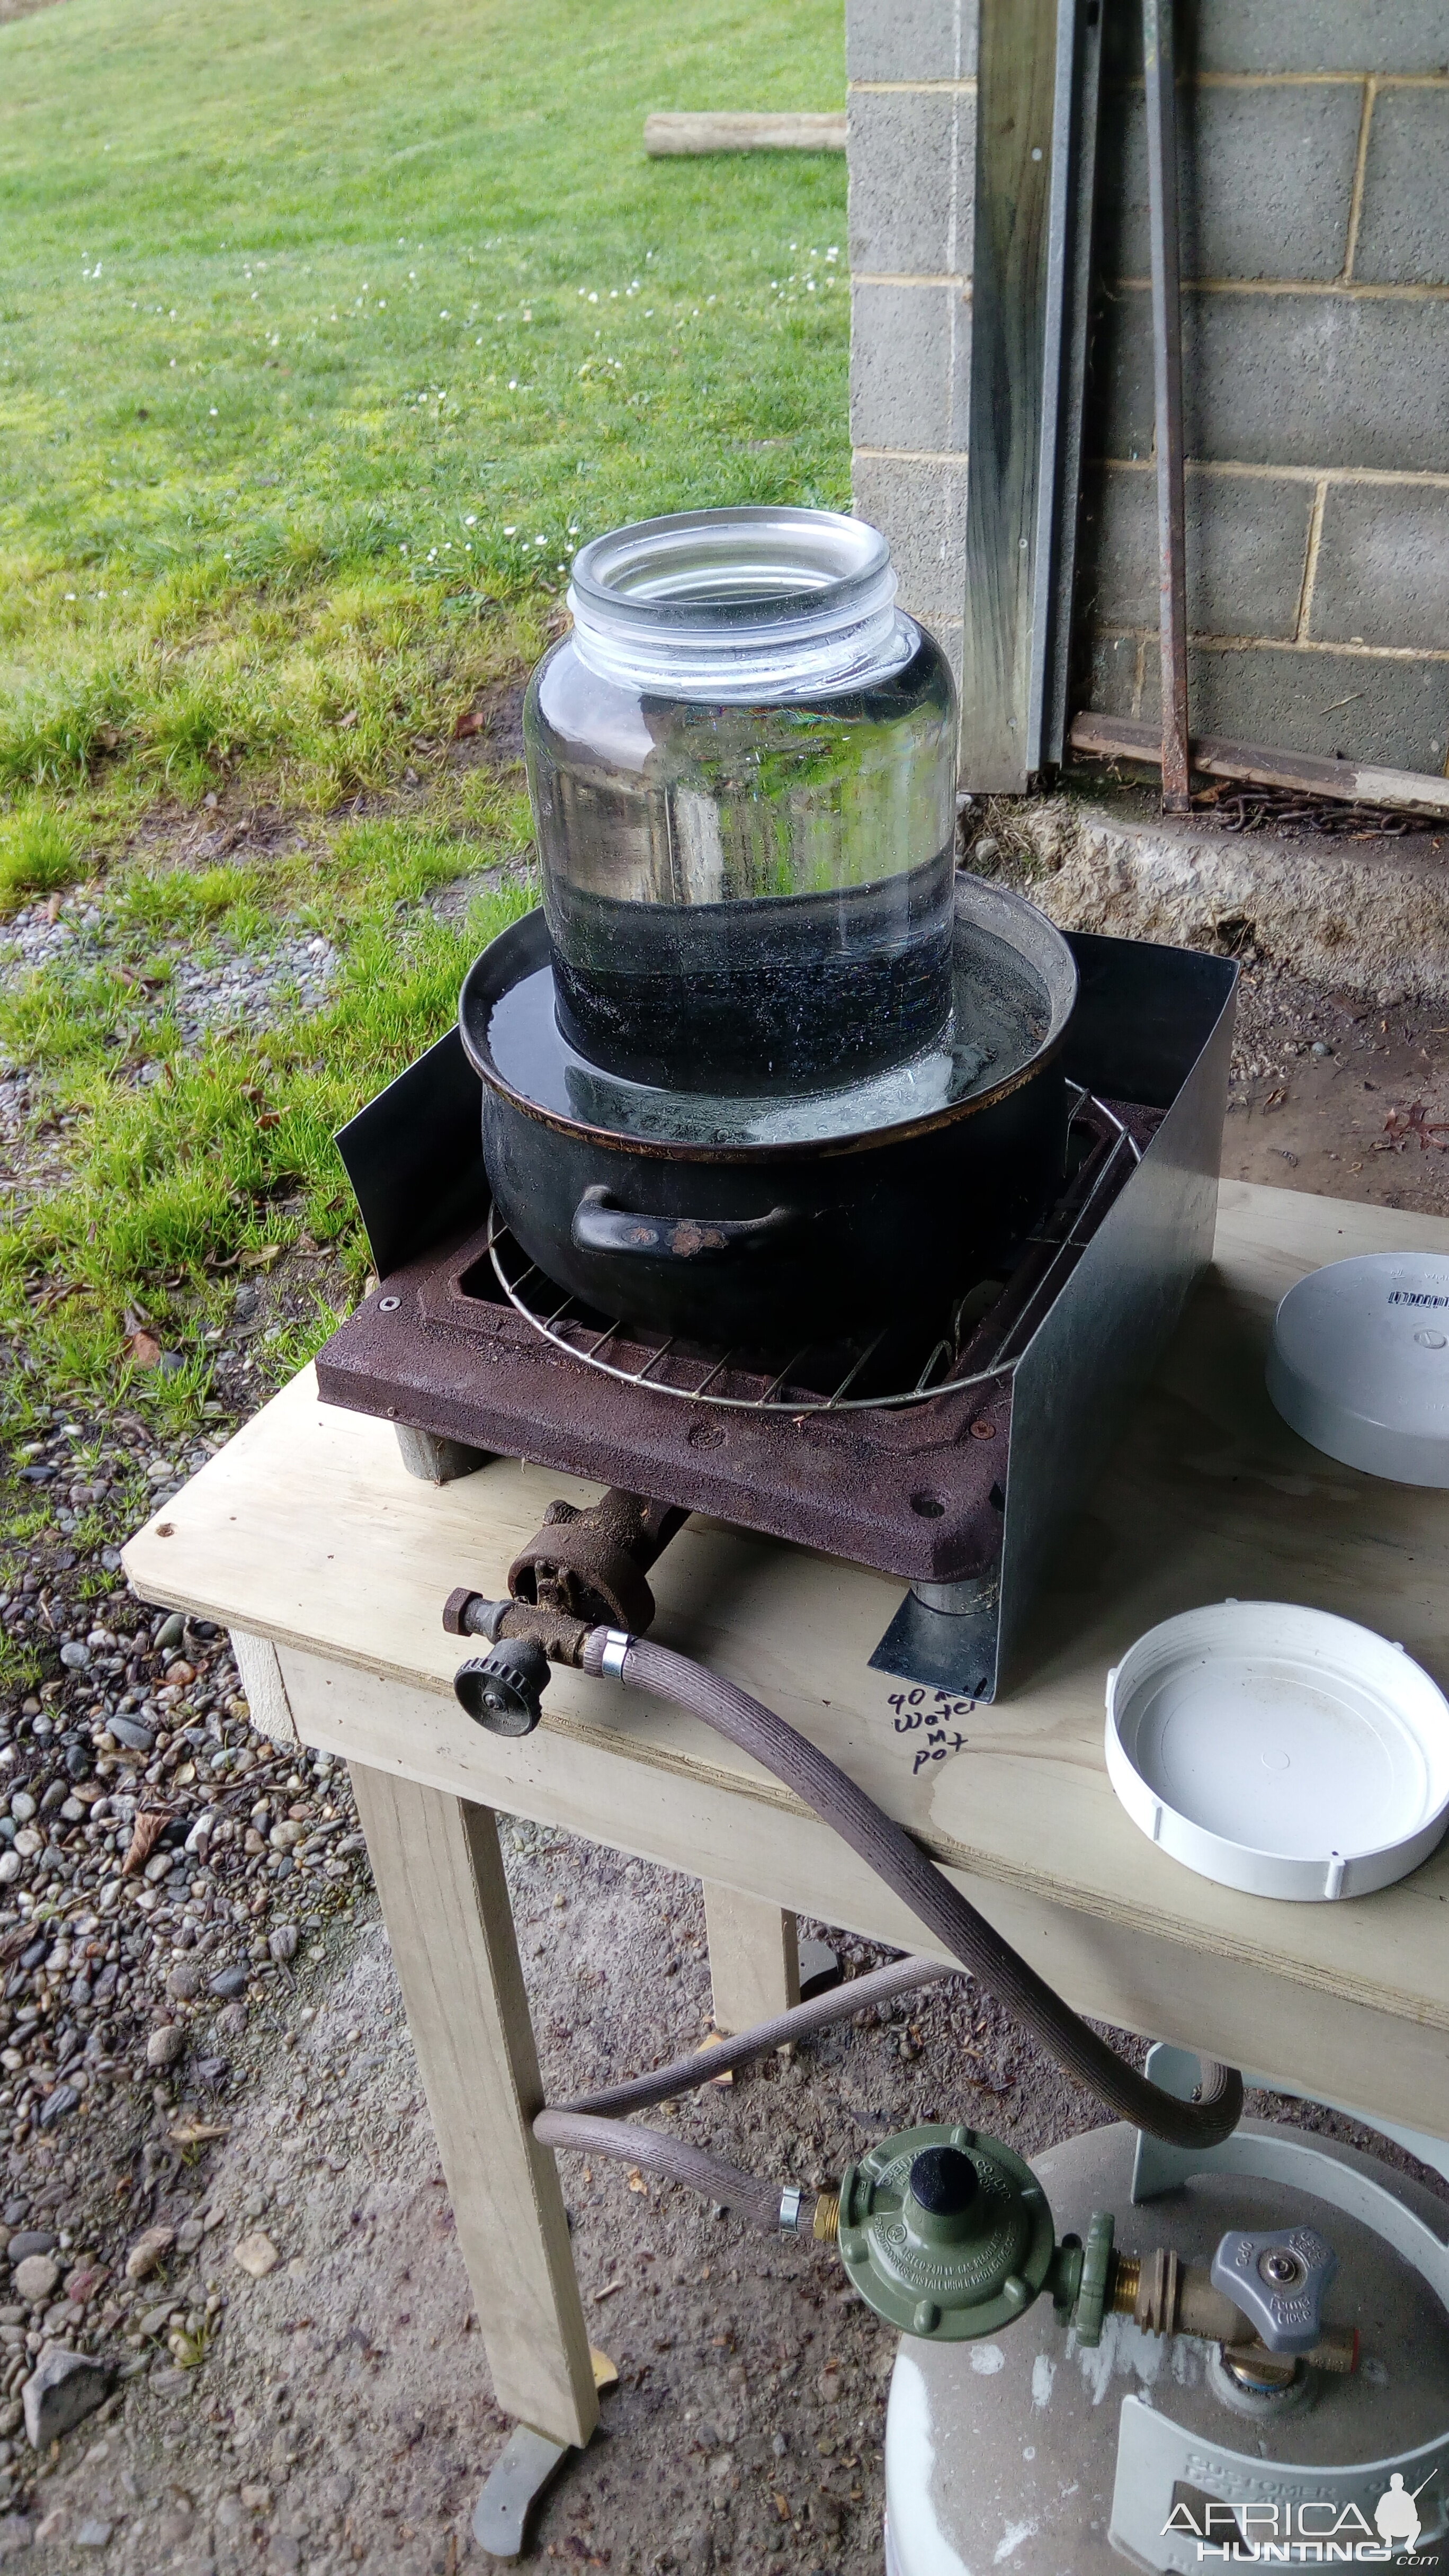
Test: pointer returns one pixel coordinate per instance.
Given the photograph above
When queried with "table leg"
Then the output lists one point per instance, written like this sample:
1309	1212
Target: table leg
444	1898
754	1958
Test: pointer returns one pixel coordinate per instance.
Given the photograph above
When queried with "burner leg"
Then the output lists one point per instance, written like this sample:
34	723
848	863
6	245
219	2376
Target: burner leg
444	1899
754	1958
435	1460
524	2469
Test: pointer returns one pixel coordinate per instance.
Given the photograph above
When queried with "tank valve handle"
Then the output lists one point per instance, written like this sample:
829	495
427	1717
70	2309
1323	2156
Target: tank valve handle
1278	2282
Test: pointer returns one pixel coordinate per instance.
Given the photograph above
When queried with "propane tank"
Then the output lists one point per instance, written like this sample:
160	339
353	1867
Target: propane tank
1260	2376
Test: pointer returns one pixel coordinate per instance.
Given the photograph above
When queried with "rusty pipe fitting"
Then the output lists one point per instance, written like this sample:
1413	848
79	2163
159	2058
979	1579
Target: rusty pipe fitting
583	1567
591	1563
471	1614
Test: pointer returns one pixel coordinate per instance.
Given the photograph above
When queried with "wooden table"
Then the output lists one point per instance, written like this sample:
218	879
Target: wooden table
330	1565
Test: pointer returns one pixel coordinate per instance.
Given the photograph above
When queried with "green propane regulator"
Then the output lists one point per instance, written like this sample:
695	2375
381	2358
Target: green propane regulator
947	2234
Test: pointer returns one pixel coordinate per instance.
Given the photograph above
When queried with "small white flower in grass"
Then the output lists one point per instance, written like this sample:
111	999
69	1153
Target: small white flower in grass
70	594
833	252
593	295
444	317
471	520
513	384
540	541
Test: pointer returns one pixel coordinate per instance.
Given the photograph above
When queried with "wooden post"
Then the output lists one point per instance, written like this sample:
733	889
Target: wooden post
444	1898
1016	82
754	1958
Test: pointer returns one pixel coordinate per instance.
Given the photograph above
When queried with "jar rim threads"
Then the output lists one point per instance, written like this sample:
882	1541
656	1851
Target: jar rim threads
740	604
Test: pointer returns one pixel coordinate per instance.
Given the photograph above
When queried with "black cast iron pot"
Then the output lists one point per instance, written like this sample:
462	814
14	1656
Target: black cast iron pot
748	1243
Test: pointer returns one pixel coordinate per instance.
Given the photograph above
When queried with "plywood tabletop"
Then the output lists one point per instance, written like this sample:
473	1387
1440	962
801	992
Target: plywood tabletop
307	1529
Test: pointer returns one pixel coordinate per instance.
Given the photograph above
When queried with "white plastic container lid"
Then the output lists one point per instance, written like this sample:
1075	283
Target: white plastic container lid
1359	1363
1280	1750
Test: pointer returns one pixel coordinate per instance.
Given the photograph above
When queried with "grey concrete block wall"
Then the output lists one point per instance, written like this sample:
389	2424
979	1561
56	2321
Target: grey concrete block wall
1316	249
911	67
1401	703
1404	235
1306	38
1382	574
1330	381
1266	180
1247	551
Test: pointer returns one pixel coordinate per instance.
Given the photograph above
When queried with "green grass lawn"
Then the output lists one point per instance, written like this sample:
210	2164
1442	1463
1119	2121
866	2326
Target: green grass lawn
326	336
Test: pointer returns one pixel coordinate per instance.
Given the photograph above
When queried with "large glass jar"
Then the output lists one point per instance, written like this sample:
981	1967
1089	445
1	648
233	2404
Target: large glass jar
742	761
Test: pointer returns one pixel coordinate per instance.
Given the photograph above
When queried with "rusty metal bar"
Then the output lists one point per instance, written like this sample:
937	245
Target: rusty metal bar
1157	47
1302	773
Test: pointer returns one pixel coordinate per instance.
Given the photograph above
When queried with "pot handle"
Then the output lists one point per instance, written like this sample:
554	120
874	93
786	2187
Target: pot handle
601	1225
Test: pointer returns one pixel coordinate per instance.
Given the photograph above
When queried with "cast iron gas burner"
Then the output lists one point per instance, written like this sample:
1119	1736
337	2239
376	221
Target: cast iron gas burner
947	1456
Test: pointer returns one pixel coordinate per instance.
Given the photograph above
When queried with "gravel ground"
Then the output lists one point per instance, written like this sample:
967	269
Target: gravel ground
222	987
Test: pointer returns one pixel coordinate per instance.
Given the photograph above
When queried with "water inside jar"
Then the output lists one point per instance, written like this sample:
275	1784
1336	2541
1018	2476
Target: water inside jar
773	994
747	897
1000	1015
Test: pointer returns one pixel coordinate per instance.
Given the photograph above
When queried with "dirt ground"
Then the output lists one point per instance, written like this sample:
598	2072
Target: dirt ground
1349	1099
343	2417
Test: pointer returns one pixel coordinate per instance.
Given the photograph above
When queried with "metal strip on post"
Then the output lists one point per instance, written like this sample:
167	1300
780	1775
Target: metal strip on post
1157	31
1076	318
1049	485
1016	85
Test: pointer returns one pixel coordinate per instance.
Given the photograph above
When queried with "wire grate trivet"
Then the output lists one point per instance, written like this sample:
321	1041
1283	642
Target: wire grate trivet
993	1338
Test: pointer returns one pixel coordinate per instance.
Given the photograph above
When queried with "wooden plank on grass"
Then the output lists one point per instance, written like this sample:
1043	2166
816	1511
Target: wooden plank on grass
1407	791
742	131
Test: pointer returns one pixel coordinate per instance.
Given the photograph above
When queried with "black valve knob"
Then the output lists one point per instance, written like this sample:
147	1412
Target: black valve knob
503	1690
943	2181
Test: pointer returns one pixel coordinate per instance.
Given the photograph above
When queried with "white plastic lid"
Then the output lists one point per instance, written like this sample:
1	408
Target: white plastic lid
1280	1750
1359	1363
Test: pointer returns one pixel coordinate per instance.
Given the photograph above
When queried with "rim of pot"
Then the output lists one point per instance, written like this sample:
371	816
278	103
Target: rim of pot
530	932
